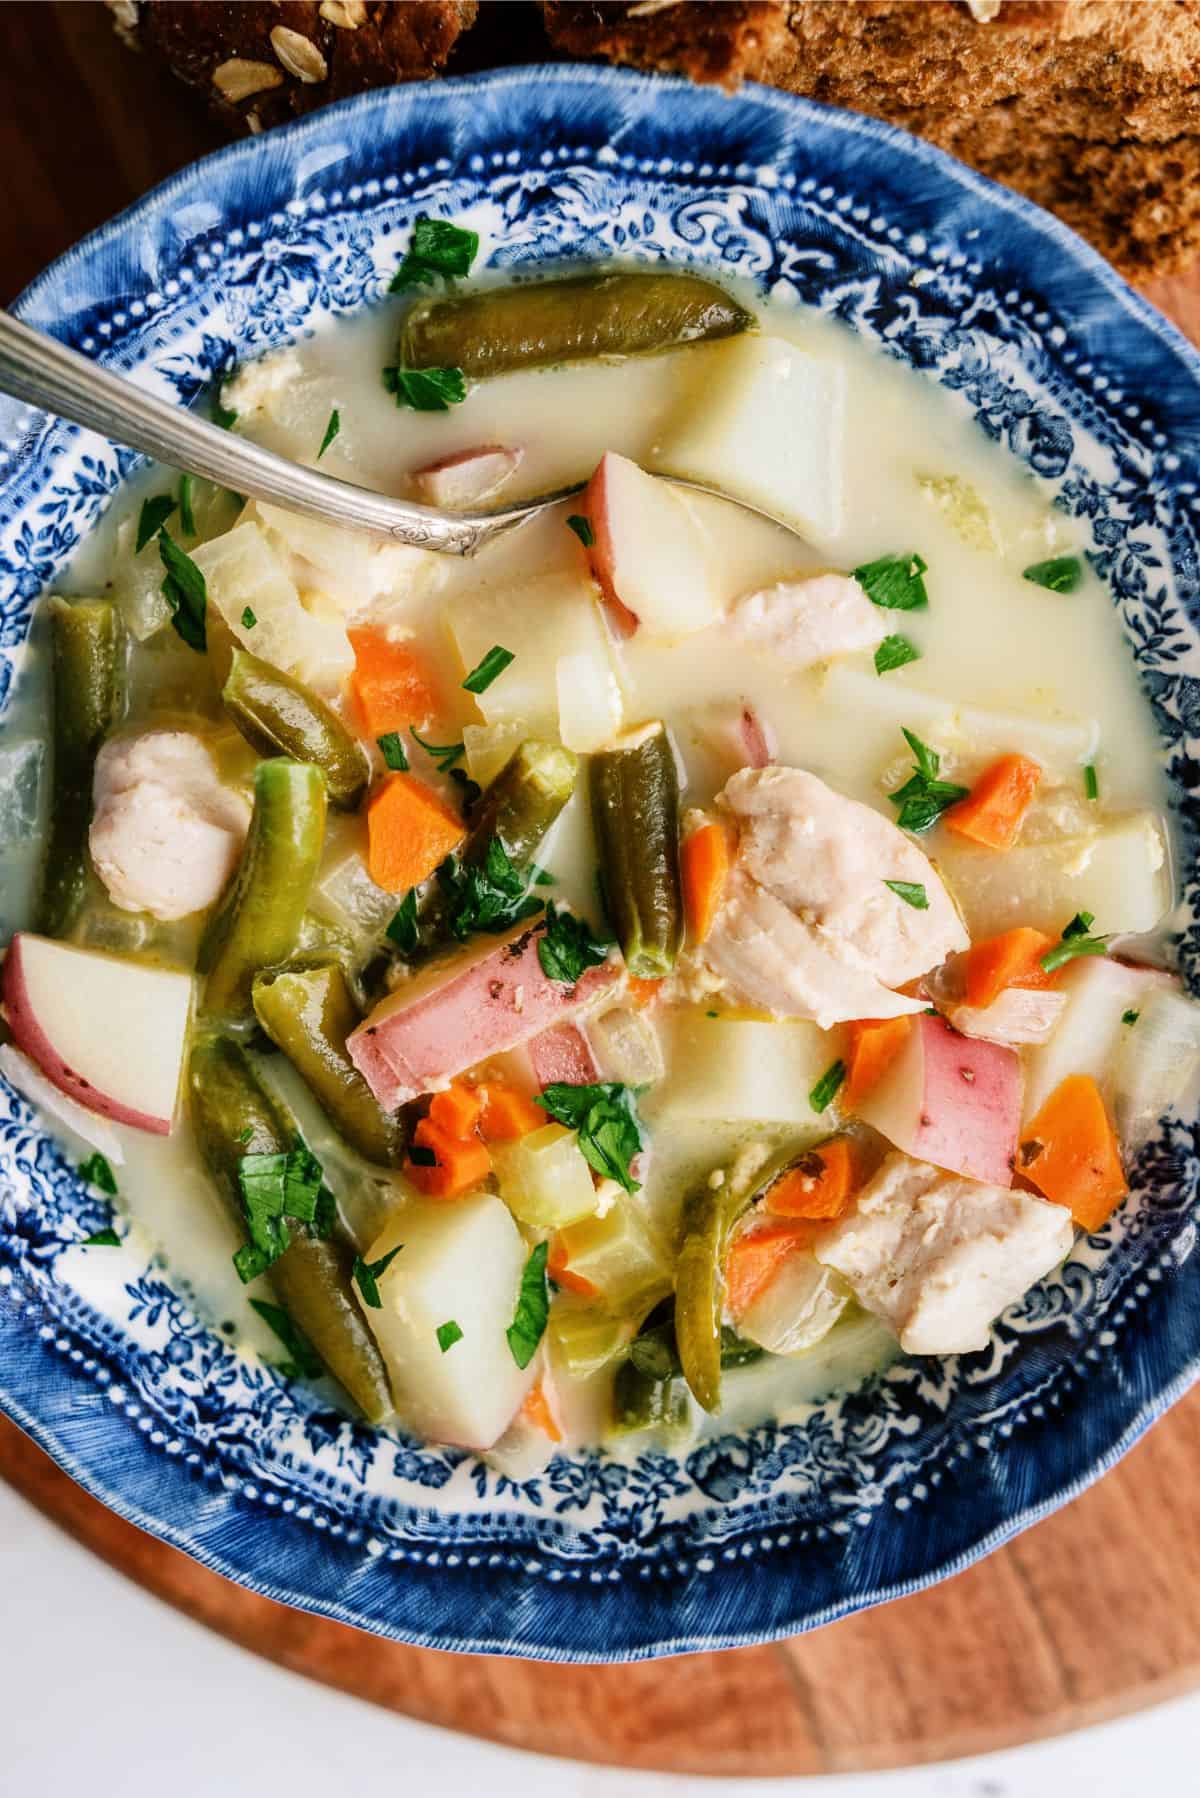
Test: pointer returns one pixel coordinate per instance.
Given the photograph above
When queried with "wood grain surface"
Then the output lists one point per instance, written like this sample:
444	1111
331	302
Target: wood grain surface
1094	1612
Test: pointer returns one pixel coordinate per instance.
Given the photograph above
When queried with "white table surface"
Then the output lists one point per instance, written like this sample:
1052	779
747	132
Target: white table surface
106	1692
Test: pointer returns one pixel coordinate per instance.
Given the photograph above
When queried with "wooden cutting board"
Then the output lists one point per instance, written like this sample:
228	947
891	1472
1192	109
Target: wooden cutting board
1095	1612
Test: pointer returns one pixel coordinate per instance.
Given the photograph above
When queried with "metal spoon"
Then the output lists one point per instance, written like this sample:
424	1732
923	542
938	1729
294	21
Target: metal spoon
44	373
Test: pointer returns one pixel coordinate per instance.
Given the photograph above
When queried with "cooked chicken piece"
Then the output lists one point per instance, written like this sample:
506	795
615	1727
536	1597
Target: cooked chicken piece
166	834
804	622
938	1257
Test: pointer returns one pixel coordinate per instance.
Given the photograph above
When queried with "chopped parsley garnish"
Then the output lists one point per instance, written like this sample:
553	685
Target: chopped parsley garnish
1091	783
421	1156
1061	574
224	415
541	877
331	431
392	750
911	891
1130	1017
712	1014
894	582
604	1116
403	928
436	248
185	592
924	798
894	652
827	1087
245	1135
367	1275
249	619
187	517
305	1363
444	755
101	1239
491	895
97	1171
568	947
533	1308
493	665
1075	942
448	1334
154	514
426	389
582	528
274	1188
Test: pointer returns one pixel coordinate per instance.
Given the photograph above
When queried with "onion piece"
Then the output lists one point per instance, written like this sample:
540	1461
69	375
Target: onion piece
33	1085
1018	1015
626	1046
1156	1059
799	1307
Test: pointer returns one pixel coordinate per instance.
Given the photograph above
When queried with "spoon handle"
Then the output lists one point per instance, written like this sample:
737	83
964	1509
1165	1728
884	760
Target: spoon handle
44	373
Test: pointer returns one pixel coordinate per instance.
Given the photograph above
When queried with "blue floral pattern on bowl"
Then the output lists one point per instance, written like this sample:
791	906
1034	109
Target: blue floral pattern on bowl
781	1528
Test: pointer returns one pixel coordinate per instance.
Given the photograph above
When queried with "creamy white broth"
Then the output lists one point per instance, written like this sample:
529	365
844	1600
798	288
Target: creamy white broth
988	640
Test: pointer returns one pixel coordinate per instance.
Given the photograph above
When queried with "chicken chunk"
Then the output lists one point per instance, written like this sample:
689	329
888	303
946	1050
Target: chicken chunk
165	834
801	623
938	1257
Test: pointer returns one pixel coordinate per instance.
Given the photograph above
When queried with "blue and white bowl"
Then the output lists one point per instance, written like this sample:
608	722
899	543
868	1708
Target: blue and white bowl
935	1462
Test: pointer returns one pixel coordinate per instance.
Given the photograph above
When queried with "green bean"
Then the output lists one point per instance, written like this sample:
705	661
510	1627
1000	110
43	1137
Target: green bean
648	1390
279	716
490	331
232	1116
635	812
258	921
523	801
86	643
308	1011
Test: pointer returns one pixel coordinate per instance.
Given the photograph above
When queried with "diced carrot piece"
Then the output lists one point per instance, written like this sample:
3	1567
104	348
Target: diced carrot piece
703	867
457	1110
391	685
820	1184
536	1411
560	1273
755	1257
992	811
1069	1151
872	1045
410	832
642	992
1011	959
508	1114
458	1166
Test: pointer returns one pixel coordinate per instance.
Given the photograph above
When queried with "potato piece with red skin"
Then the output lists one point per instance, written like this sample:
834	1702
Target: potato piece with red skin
648	553
951	1100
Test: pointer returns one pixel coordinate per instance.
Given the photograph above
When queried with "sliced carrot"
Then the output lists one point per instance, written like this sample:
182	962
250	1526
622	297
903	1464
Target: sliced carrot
755	1257
508	1114
560	1273
820	1184
998	962
703	868
458	1166
410	832
536	1411
1069	1151
872	1045
392	686
992	811
456	1111
642	992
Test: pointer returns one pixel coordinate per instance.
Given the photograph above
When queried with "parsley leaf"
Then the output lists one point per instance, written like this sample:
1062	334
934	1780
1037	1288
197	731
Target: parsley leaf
911	891
249	618
187	517
1061	574
436	248
448	1334
305	1363
101	1239
421	1156
894	652
604	1116
403	928
392	751
492	666
828	1086
224	415
331	431
1130	1017
367	1275
1075	942
185	592
97	1172
444	755
924	798
274	1188
491	895
582	529
426	389
154	514
533	1308
894	582
568	947
1091	782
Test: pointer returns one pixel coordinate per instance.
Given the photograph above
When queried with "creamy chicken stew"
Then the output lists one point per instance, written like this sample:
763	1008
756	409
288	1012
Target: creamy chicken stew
636	980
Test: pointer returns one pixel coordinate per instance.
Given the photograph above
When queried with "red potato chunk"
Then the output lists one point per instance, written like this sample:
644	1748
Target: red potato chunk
951	1100
649	553
467	478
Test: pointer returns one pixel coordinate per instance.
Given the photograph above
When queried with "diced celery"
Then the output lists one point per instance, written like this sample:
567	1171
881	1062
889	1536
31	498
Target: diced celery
489	746
964	510
544	1179
583	1341
617	1256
